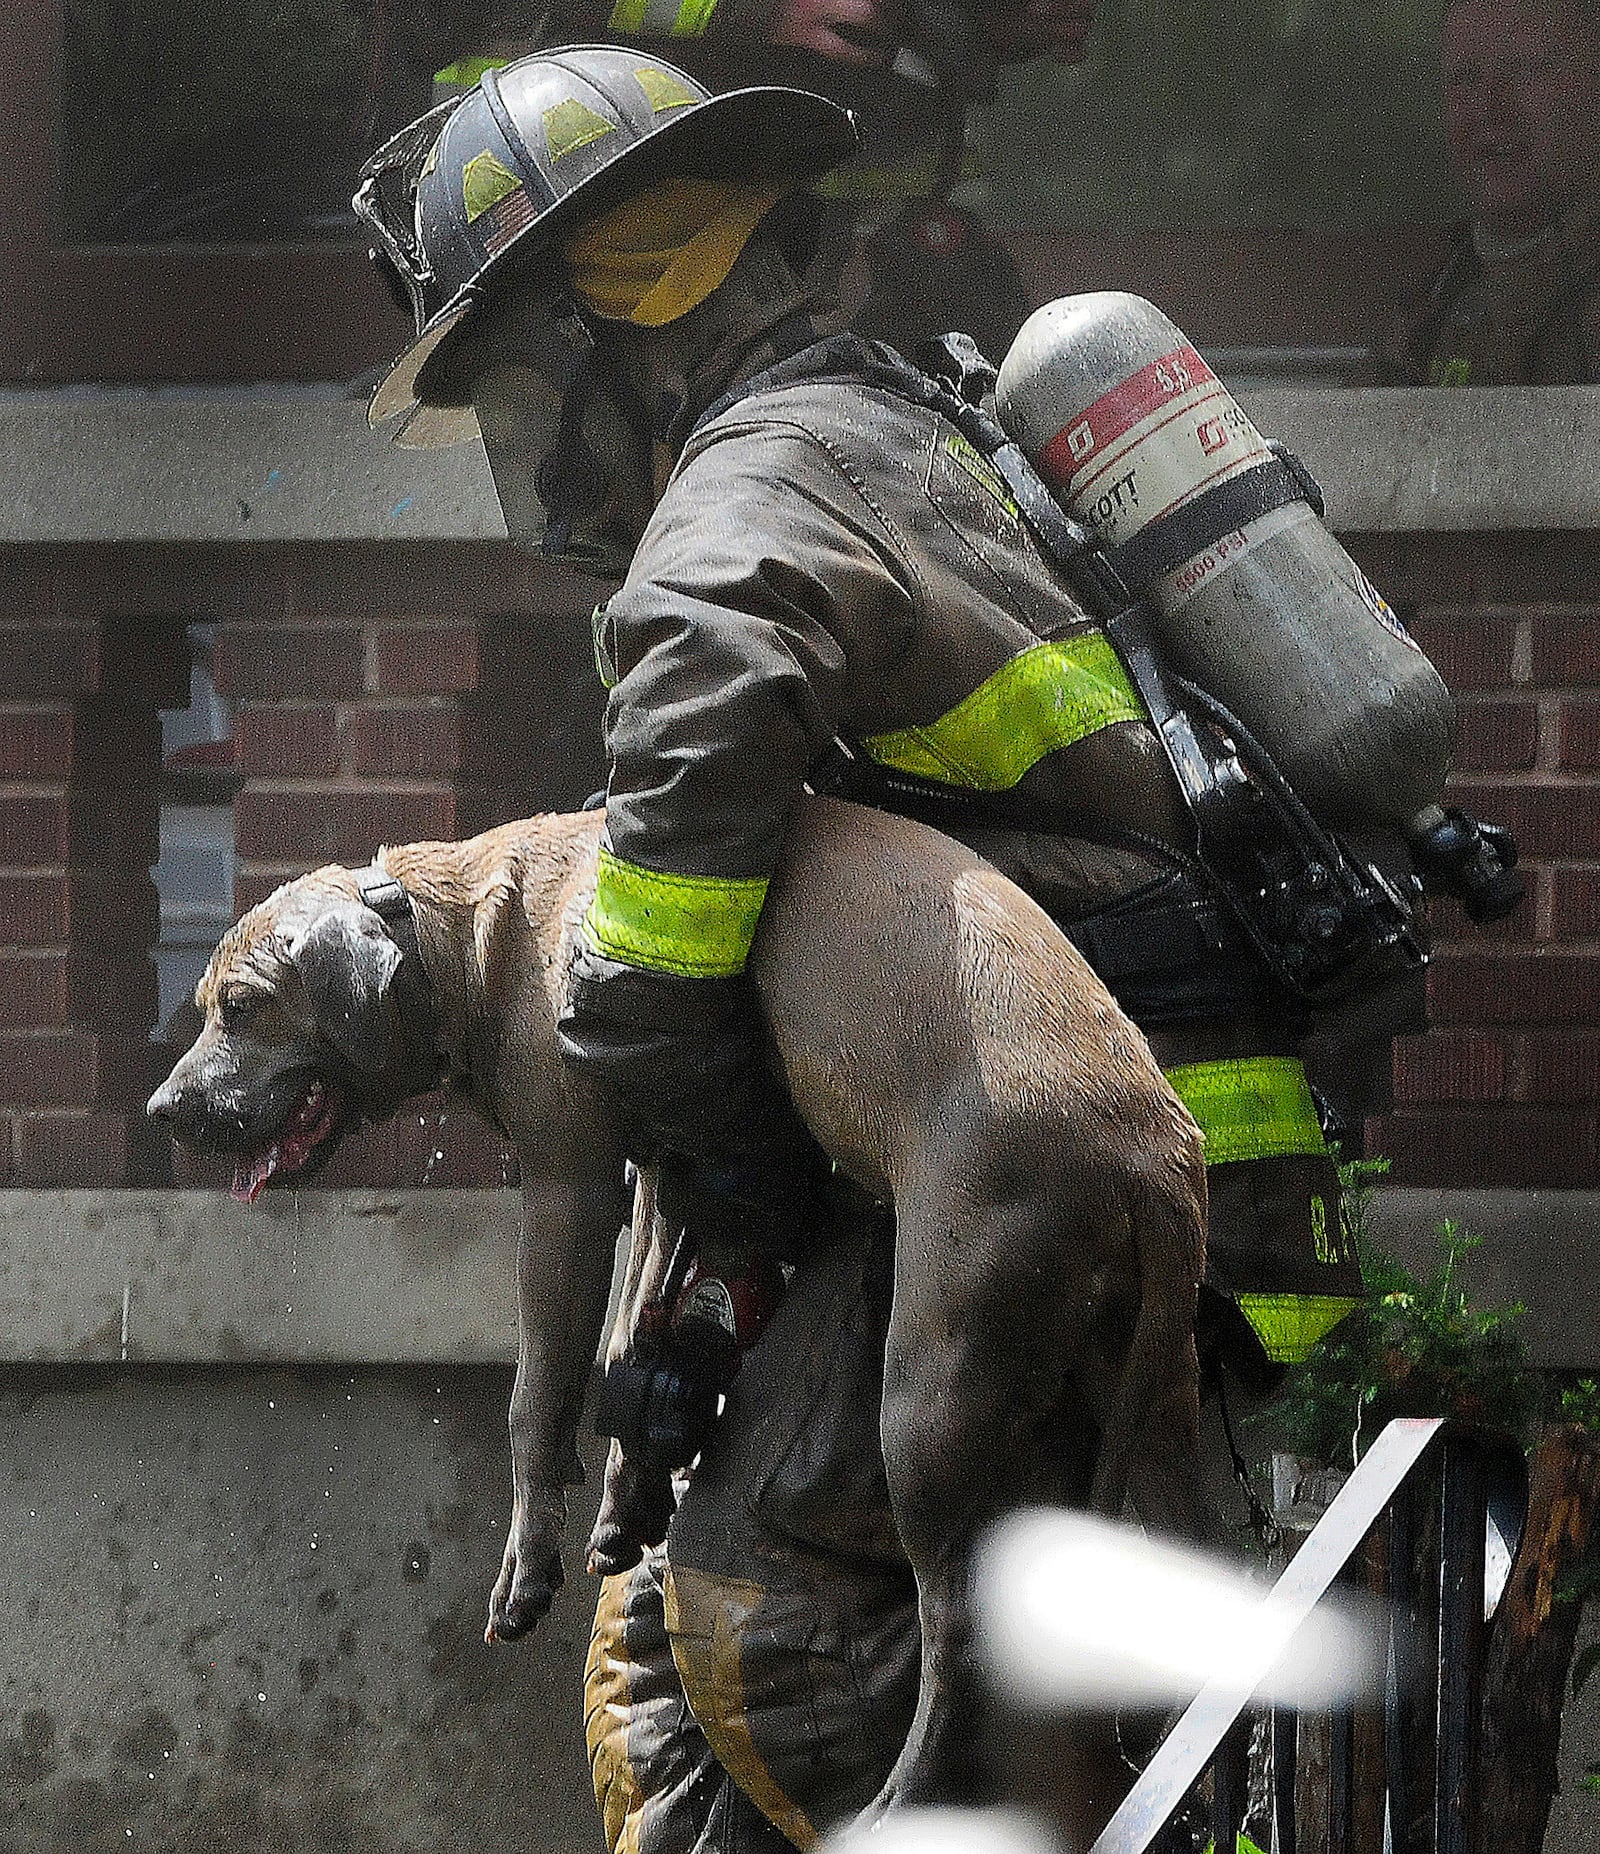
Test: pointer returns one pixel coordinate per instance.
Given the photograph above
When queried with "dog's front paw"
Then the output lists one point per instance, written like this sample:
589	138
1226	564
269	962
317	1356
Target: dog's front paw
634	1511
530	1572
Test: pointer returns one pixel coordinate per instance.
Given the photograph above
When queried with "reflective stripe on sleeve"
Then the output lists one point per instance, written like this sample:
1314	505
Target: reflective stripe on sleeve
1251	1107
1289	1325
697	926
1051	696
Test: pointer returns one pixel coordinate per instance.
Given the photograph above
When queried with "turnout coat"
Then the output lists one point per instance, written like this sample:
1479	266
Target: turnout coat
836	591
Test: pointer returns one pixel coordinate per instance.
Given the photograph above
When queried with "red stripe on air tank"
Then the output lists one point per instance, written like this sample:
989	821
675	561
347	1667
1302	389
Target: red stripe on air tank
1116	413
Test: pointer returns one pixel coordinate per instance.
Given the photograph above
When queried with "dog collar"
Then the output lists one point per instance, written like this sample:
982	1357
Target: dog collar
389	900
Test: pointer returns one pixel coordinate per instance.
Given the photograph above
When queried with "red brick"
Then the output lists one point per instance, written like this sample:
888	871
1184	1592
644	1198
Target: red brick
399	1153
36	743
73	1068
1561	1068
122	656
144	656
1500	1146
306	829
431	579
1450	926
1424	570
1514	988
44	990
1575	906
1442	1067
47	661
95	740
435	658
288	660
1559	822
255	881
77	1148
1550	567
35	910
406	742
34	829
1498	737
117	742
35	990
200	1171
1580	737
1566	649
98	908
277	740
1471	649
56	1069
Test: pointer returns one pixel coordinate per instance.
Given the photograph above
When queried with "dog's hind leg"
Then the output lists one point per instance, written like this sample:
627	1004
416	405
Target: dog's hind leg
999	1283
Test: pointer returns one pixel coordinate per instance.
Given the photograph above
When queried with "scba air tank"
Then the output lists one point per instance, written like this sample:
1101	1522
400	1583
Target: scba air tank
1137	438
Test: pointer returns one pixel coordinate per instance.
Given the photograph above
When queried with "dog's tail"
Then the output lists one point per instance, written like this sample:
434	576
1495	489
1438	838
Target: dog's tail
1150	1422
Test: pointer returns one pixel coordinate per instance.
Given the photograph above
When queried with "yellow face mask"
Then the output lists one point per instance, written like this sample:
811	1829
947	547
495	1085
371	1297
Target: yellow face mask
661	254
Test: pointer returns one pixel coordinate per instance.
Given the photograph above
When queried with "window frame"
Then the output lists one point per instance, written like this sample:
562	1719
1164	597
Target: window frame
73	312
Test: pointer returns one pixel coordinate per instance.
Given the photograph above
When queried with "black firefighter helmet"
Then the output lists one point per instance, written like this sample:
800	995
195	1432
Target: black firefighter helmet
472	191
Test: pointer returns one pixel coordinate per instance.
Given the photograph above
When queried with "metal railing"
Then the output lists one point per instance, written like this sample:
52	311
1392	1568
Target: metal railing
1475	1482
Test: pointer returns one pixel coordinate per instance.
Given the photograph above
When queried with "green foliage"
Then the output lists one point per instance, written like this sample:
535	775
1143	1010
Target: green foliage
1418	1348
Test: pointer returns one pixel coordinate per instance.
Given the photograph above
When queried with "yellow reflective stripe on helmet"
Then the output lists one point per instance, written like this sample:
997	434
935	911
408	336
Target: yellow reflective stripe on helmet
678	19
1289	1325
1048	697
694	16
1251	1107
698	926
465	72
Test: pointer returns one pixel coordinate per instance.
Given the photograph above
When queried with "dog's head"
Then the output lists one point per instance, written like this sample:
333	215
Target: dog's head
315	1024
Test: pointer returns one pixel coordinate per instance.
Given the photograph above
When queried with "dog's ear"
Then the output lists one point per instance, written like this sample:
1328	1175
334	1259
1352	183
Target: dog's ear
346	962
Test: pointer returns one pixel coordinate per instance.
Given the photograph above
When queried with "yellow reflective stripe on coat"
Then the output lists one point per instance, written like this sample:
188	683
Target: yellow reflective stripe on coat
1051	696
678	19
1289	1325
1251	1107
697	926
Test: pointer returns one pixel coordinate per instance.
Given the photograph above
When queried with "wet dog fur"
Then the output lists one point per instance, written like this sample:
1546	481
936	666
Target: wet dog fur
945	1044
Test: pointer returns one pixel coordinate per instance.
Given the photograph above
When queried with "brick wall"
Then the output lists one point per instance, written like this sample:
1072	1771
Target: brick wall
1504	1088
388	692
380	694
82	674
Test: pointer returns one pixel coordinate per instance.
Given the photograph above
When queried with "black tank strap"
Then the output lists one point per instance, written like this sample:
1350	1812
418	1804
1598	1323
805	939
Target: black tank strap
1163	547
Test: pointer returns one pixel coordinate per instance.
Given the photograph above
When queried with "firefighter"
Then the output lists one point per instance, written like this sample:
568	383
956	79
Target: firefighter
825	580
1517	300
911	261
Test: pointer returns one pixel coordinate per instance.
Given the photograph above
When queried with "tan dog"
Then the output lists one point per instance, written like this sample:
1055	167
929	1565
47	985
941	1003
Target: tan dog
947	1047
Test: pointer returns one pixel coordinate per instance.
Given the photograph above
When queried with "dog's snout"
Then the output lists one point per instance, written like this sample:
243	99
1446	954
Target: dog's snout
164	1103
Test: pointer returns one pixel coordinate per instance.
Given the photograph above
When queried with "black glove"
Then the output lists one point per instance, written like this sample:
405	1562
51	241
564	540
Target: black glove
685	1066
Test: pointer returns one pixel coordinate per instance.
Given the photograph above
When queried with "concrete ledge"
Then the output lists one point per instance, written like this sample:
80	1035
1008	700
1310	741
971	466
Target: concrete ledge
1400	461
132	466
190	1276
425	1276
142	465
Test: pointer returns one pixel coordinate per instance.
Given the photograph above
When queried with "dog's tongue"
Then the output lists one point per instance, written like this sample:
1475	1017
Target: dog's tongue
250	1180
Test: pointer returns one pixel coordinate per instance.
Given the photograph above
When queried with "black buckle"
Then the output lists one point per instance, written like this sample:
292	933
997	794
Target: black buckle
386	897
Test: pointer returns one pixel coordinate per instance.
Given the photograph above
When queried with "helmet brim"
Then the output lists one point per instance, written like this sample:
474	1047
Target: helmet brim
779	135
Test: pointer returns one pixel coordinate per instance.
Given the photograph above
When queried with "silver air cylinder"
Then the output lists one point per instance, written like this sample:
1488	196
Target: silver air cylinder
1128	425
